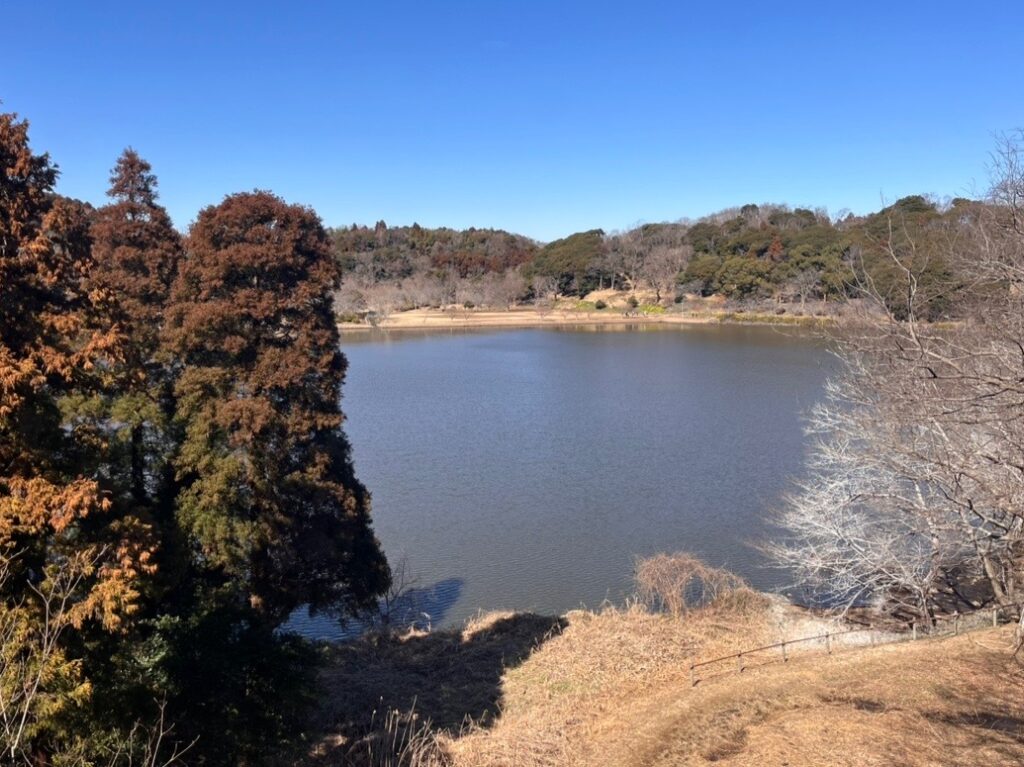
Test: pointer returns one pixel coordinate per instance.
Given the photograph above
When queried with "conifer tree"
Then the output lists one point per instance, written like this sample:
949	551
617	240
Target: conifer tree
136	252
71	562
269	498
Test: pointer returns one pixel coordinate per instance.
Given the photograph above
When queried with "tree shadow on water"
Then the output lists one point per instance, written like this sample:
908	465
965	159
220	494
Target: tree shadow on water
448	676
421	607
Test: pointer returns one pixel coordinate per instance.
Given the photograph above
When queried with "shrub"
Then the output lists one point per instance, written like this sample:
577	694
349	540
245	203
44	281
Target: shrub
680	583
599	305
633	303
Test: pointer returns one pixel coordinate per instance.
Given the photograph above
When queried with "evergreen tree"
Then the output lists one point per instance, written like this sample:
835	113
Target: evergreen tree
269	497
136	251
71	561
268	504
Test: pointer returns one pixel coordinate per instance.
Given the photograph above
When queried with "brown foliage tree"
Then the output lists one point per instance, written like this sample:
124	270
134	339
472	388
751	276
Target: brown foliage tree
56	525
136	251
269	500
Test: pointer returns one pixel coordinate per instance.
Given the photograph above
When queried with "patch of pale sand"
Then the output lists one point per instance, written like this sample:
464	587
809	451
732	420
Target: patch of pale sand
793	623
430	319
620	298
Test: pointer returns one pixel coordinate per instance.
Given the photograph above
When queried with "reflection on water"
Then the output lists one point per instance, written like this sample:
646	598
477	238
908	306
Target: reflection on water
525	469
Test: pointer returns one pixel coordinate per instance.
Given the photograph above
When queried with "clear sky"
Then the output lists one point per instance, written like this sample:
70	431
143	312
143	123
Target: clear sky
538	117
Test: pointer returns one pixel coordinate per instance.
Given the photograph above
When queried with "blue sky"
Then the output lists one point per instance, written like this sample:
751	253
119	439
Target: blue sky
538	117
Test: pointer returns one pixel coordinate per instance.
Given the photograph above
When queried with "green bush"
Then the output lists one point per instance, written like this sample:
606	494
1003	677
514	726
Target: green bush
599	305
633	303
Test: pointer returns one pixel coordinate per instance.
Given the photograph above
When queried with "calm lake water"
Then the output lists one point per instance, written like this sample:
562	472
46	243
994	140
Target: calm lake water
526	469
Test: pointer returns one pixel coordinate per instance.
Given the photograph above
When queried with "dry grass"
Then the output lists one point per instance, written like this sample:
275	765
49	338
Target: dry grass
441	682
600	664
681	583
612	688
956	701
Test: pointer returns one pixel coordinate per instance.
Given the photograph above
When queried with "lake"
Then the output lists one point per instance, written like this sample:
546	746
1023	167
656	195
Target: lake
526	469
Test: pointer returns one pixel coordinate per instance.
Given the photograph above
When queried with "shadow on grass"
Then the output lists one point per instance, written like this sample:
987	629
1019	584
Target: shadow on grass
448	677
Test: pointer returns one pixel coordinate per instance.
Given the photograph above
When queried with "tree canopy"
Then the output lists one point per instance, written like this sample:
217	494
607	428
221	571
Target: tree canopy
174	477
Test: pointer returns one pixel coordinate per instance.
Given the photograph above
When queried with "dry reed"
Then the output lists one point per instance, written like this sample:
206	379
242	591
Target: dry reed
680	583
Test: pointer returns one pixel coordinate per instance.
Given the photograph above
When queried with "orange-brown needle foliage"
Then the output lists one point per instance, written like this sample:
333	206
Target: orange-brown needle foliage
269	497
136	251
56	525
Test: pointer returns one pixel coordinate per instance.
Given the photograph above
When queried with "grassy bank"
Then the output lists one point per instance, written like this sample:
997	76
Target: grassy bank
612	688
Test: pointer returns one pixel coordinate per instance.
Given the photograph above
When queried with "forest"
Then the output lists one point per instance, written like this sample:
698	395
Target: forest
754	253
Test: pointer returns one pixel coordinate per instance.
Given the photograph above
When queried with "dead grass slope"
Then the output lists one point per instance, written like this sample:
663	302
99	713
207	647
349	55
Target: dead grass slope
612	688
953	701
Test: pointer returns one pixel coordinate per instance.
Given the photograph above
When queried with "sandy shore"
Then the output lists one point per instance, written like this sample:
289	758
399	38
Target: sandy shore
430	319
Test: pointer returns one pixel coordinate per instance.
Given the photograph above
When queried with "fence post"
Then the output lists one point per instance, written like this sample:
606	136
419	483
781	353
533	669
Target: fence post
913	631
739	663
995	617
828	643
956	625
785	659
693	678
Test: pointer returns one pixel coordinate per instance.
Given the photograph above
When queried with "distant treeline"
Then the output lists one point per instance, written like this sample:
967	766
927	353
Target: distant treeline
753	252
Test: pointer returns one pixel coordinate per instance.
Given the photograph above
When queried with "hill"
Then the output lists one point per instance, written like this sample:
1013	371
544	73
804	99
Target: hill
752	254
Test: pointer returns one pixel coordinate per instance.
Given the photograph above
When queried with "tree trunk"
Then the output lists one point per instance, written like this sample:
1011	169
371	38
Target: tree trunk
138	464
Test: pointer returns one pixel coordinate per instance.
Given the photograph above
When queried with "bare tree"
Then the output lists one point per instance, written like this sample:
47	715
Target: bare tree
421	289
917	492
501	290
349	299
662	267
864	527
805	284
631	250
381	300
545	291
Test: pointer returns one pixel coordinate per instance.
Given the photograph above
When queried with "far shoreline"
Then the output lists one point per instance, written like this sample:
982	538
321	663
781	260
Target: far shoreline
445	319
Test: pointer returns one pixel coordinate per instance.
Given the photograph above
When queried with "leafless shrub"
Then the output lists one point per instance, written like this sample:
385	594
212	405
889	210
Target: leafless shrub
149	746
681	583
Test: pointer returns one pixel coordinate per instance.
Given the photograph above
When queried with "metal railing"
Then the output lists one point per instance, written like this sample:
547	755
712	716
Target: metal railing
754	656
